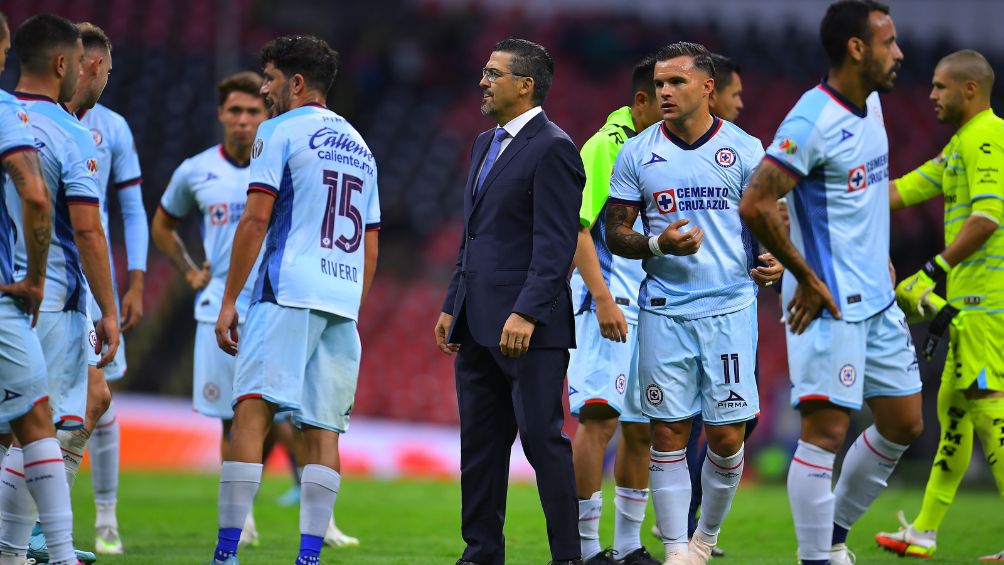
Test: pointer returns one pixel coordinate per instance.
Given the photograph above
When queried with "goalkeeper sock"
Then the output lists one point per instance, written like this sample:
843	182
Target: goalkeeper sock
955	449
988	419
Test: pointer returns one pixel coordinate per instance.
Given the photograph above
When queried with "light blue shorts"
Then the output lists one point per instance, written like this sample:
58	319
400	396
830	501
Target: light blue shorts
66	338
22	366
703	366
601	371
117	368
846	362
212	389
302	360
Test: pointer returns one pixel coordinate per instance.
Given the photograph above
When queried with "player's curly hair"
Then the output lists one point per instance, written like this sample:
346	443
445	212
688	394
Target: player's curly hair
306	55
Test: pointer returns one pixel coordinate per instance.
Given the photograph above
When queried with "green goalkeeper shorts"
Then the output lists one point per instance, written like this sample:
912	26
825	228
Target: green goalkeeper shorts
976	351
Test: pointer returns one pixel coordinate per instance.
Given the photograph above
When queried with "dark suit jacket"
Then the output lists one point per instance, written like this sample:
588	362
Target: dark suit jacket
519	237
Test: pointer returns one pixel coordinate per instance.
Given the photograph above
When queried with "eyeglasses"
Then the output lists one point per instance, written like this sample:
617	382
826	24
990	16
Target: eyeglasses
494	74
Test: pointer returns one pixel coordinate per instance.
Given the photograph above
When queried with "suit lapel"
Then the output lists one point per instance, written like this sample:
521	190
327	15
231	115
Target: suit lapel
477	157
521	140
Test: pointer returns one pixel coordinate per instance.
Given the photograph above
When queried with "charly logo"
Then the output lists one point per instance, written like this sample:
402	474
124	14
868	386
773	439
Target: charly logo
256	148
653	393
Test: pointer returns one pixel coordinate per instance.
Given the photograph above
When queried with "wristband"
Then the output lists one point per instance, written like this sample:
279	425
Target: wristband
653	246
938	328
937	268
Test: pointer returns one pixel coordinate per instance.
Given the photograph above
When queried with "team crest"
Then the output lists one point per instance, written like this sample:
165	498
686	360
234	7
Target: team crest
98	138
857	179
92	166
847	375
725	157
665	201
653	393
92	338
218	214
256	148
23	116
620	383
788	146
211	392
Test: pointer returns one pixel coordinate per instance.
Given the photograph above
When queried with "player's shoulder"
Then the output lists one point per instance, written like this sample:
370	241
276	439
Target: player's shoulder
616	130
109	117
206	159
812	105
983	129
743	140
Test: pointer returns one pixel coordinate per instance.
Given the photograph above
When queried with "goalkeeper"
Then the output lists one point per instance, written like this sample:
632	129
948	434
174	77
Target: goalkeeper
970	174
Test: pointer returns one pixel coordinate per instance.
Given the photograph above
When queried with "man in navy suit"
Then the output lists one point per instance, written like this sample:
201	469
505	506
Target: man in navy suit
508	310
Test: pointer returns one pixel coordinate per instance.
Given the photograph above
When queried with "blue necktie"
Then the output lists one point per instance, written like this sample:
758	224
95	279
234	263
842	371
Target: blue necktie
493	153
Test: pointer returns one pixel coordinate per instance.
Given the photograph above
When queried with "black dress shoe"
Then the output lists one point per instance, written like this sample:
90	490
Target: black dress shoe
640	556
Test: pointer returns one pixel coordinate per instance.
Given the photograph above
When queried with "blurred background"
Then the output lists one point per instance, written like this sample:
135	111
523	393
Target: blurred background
408	82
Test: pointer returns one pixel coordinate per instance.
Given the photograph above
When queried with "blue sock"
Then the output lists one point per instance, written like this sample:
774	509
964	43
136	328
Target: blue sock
310	549
227	543
839	534
815	562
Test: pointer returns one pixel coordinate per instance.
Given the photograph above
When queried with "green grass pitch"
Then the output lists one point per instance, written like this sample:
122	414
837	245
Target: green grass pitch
169	519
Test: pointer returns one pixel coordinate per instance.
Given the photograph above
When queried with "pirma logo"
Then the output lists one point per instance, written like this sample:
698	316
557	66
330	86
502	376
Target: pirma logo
733	401
653	394
847	375
665	201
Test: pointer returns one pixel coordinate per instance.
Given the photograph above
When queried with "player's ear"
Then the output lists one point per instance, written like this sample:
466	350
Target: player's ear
59	64
527	86
298	84
856	49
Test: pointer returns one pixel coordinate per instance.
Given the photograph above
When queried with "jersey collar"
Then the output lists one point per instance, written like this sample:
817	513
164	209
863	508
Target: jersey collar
231	160
36	97
716	124
842	100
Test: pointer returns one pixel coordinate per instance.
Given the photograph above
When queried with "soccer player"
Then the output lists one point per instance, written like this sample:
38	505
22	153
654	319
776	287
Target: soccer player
118	166
313	199
726	100
831	153
971	397
215	183
26	409
51	53
698	294
603	370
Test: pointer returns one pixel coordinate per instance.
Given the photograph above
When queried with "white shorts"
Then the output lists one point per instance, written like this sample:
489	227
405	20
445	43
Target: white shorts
704	366
22	366
845	362
117	368
66	338
601	371
212	389
302	360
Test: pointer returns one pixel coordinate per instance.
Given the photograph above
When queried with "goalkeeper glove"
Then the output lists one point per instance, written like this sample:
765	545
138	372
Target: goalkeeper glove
914	294
938	328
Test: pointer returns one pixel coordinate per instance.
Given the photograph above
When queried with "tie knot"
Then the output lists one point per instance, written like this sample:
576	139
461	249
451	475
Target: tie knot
500	134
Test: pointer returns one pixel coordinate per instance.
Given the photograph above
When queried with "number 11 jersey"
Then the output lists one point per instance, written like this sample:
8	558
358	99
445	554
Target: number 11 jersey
324	180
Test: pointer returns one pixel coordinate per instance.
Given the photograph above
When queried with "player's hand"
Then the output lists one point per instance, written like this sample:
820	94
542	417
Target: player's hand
442	330
132	307
613	325
106	331
811	296
226	329
27	296
913	295
675	242
516	335
198	279
767	275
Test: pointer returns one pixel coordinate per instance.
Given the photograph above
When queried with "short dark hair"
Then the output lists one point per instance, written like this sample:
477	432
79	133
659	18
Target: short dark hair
641	77
696	51
94	37
4	28
39	35
306	55
843	20
724	67
530	59
246	81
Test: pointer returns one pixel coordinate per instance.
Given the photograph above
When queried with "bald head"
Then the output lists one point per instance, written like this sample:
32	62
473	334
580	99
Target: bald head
968	65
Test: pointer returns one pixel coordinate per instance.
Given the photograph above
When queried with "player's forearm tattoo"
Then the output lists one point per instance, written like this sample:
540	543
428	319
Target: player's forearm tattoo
769	184
621	239
22	167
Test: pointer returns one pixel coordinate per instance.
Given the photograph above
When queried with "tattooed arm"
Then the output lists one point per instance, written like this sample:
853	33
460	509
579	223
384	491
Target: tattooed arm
26	173
624	241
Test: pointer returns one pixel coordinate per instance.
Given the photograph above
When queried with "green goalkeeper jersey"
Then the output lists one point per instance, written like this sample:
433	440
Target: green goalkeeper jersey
970	173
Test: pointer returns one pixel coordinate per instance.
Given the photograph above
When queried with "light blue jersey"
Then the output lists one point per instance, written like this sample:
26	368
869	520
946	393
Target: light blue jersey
670	180
217	185
15	135
839	155
324	180
70	168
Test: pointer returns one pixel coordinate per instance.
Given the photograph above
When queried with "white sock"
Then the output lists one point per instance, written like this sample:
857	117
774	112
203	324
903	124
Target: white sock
630	504
867	465
72	444
249	525
719	481
44	472
239	483
104	447
320	486
589	525
811	497
17	509
670	482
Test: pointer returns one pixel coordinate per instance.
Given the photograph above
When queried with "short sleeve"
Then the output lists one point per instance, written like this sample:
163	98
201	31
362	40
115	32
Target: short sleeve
924	182
798	147
125	160
373	203
80	170
15	129
750	161
178	200
625	188
268	159
599	154
984	159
